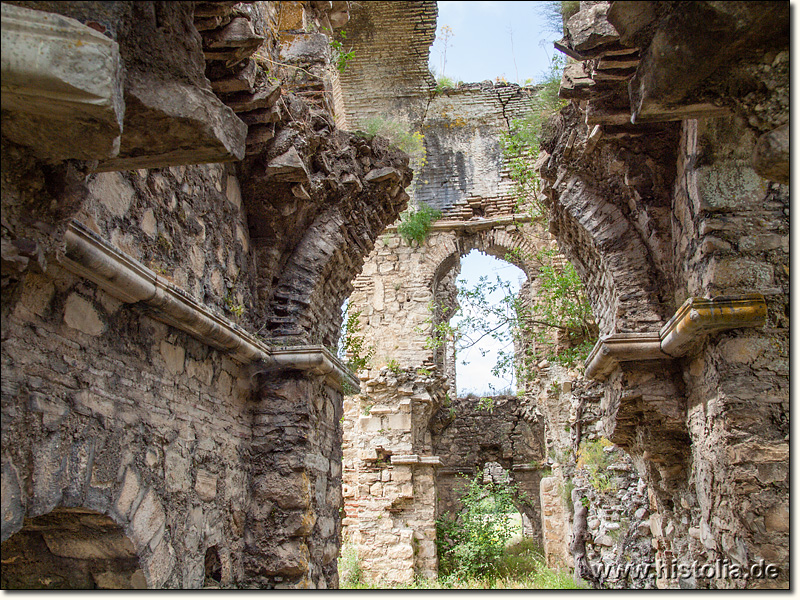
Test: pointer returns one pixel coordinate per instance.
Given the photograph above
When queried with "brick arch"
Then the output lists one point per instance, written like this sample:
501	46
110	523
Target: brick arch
496	242
318	276
614	264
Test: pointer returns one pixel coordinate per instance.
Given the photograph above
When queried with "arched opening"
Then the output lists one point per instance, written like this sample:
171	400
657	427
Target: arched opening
495	477
70	548
484	351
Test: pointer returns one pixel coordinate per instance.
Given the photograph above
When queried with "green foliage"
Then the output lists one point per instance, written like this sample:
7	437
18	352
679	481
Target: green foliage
471	544
236	309
561	305
410	142
341	56
520	566
394	367
351	574
595	460
443	83
354	348
415	225
486	403
520	144
558	306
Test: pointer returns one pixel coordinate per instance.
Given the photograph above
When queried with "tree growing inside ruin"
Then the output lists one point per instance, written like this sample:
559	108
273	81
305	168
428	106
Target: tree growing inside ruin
555	323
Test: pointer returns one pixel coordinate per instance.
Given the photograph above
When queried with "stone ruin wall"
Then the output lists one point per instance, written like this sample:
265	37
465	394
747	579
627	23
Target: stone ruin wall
389	469
147	390
686	199
467	438
464	177
697	175
121	434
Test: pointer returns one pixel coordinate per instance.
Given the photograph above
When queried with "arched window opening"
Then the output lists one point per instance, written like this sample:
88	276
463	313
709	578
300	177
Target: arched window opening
70	548
488	292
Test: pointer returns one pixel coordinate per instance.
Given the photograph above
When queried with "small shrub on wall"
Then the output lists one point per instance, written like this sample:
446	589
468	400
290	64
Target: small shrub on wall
416	225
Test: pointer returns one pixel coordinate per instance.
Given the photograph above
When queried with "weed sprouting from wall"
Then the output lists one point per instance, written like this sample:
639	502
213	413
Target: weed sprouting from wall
416	224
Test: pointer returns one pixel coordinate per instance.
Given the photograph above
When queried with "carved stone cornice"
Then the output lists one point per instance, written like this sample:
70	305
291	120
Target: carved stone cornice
698	317
124	278
683	333
610	350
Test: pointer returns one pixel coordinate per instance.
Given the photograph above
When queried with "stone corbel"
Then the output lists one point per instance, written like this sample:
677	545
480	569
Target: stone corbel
611	350
124	278
692	322
698	317
61	86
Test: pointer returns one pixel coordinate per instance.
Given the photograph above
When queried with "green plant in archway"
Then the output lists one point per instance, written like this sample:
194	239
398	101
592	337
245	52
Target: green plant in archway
353	346
472	543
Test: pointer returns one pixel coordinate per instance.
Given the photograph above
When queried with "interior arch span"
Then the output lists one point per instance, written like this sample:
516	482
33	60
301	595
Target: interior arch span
71	548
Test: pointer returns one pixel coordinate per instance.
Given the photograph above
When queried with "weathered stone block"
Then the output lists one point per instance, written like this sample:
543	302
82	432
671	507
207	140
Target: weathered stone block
113	192
81	315
729	187
201	370
289	558
400	421
589	28
174	356
177	470
102	546
205	485
160	565
288	492
739	273
148	520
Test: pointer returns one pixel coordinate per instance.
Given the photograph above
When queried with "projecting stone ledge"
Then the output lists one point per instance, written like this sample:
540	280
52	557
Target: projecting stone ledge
610	350
698	317
415	459
172	123
61	86
126	279
686	330
66	95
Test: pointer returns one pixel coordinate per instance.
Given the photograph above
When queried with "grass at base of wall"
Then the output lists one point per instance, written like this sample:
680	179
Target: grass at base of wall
522	568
